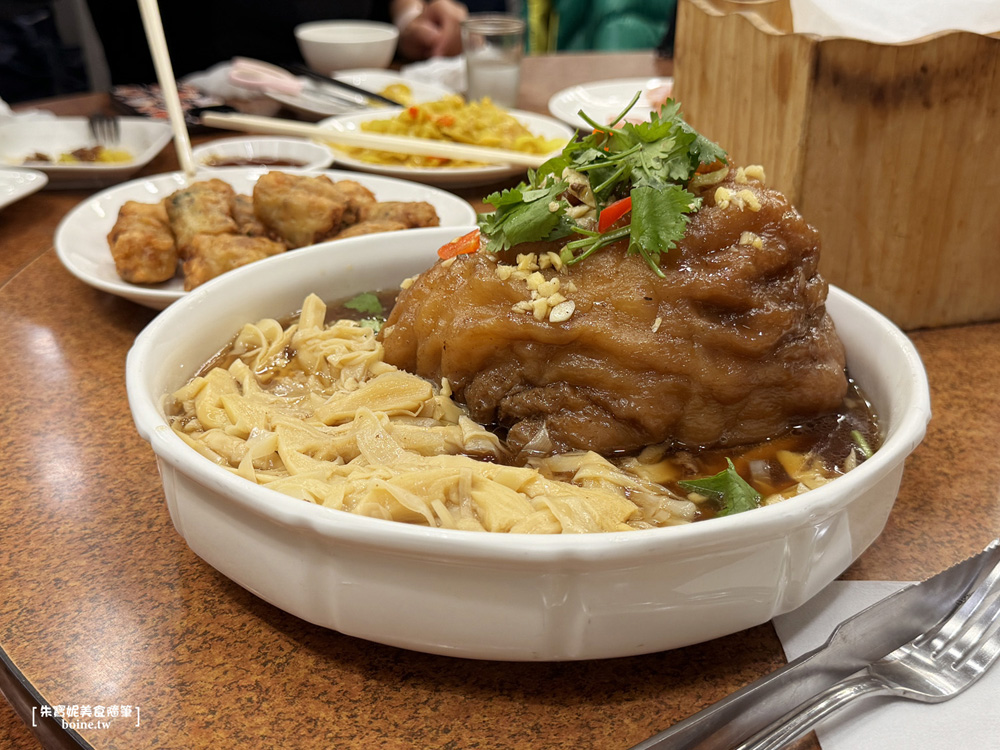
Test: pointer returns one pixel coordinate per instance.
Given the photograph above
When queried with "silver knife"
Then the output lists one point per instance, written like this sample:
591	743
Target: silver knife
853	645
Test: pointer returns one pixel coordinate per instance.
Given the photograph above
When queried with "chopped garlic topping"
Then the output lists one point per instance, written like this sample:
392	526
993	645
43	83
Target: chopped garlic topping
562	312
745	198
750	199
527	262
749	238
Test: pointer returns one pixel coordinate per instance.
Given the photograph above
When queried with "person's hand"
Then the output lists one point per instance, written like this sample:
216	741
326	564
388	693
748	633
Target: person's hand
436	32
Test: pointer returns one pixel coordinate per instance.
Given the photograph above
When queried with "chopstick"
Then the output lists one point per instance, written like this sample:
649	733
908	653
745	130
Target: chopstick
302	70
153	25
395	143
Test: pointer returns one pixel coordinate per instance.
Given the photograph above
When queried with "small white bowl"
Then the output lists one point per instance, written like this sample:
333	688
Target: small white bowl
328	46
514	597
263	151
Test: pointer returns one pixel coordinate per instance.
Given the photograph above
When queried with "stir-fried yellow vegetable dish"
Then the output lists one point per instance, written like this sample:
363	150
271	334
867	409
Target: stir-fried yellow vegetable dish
479	123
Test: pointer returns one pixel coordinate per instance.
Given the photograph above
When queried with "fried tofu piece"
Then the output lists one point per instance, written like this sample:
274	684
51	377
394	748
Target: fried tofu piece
299	210
411	214
246	220
202	208
142	243
214	254
359	201
369	227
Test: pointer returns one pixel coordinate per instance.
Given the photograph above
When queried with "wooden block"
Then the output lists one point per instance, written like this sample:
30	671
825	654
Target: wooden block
890	150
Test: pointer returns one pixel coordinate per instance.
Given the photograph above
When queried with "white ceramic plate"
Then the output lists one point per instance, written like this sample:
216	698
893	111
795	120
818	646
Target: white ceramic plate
310	154
505	596
453	177
312	104
81	237
140	136
604	100
16	184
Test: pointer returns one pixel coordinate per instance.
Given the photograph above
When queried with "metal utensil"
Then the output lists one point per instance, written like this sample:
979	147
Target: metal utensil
857	642
932	668
370	95
105	129
271	79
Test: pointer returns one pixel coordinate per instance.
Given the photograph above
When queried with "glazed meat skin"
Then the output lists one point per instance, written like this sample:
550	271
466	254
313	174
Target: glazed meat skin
733	346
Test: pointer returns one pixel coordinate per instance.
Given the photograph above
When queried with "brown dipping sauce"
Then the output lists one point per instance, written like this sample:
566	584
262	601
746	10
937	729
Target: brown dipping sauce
259	161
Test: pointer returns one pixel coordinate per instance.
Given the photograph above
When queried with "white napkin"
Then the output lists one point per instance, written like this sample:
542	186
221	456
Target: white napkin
7	114
970	720
891	21
444	71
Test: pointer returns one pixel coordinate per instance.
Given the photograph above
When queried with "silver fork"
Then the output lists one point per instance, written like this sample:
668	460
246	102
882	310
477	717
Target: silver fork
932	668
105	129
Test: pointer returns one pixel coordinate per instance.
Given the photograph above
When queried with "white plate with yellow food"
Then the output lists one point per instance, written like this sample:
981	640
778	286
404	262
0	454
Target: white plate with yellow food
451	118
315	102
82	241
64	149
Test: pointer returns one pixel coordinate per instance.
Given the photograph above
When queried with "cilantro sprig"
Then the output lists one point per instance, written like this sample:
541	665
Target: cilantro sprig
368	303
728	489
650	161
526	213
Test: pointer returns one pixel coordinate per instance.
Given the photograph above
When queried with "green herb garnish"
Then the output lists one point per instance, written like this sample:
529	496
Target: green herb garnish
728	489
862	444
525	214
367	303
651	161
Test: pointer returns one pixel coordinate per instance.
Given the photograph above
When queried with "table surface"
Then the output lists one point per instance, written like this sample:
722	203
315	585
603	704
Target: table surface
105	607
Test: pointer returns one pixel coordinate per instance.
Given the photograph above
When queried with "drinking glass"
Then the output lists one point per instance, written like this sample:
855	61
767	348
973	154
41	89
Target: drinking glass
493	44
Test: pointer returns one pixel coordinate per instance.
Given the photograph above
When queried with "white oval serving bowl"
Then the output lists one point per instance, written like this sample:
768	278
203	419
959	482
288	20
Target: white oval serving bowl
499	596
307	154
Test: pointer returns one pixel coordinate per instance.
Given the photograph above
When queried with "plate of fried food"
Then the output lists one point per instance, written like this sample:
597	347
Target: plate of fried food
451	118
154	239
65	150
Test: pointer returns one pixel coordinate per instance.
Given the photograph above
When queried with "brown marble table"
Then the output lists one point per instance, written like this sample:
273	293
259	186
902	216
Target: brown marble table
103	606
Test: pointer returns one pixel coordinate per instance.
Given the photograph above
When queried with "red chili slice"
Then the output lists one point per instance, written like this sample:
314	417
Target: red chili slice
613	213
467	243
